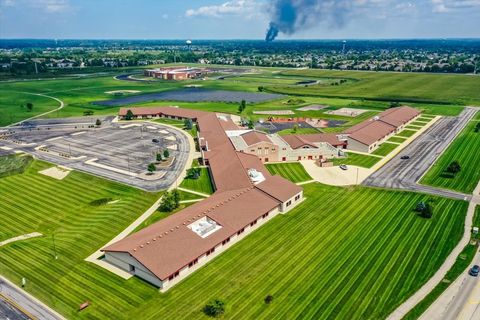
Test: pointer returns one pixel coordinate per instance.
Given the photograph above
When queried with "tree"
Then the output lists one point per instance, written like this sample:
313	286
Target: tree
394	104
151	167
295	128
242	106
454	168
98	123
477	127
269	299
159	157
214	308
251	125
170	201
29	106
166	153
188	124
129	115
424	209
193	173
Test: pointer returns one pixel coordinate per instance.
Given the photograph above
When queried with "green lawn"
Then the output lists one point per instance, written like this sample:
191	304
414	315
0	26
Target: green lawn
396	86
385	149
296	257
406	133
14	164
356	159
413	127
203	184
466	150
397	139
294	172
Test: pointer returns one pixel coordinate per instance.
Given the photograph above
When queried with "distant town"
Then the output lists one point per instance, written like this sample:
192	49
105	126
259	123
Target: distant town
64	56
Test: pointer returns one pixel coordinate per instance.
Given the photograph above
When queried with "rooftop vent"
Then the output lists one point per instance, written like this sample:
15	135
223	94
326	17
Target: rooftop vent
255	176
204	227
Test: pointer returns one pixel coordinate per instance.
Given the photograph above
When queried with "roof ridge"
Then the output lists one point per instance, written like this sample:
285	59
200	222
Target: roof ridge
204	213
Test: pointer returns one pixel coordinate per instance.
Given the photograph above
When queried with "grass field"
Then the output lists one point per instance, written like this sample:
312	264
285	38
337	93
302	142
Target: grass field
451	88
406	133
203	184
13	106
397	139
385	149
466	150
14	164
295	257
356	159
294	172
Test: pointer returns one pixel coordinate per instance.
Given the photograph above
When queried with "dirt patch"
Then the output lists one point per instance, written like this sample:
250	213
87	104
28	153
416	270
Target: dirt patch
58	173
276	112
347	112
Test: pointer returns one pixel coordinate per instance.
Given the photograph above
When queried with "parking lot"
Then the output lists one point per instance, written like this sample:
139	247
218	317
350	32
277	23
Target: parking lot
117	151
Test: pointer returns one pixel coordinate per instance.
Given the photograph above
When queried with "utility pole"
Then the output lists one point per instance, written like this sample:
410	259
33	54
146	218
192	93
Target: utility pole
54	247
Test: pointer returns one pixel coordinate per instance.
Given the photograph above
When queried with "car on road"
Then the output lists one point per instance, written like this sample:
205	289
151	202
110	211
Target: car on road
474	271
343	167
155	141
405	157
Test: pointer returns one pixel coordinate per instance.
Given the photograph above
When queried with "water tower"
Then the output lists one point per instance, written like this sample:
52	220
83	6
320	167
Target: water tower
189	44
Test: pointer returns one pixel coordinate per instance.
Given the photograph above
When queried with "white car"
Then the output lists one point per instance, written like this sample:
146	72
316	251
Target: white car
343	167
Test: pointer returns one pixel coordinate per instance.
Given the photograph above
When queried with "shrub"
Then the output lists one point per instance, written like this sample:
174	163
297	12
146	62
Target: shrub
424	209
129	115
159	157
269	299
188	123
166	153
214	308
151	167
193	173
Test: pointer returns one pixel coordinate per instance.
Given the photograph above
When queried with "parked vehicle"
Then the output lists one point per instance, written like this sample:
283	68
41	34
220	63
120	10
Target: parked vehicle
343	167
405	157
474	271
155	141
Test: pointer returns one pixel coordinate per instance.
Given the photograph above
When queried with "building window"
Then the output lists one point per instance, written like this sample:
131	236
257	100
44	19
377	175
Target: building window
284	158
241	231
297	197
289	203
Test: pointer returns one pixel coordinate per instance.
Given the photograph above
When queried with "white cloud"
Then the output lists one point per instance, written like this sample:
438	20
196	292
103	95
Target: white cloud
442	6
51	6
247	8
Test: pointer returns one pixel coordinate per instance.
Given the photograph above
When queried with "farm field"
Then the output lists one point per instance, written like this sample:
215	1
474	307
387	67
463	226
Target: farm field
406	87
203	184
291	171
374	231
466	150
356	159
385	149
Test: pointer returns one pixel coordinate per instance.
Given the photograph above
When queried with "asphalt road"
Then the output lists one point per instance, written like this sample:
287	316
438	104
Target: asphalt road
423	151
7	311
30	305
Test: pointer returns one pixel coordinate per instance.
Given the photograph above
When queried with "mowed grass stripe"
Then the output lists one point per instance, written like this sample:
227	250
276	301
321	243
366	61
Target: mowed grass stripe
294	172
466	150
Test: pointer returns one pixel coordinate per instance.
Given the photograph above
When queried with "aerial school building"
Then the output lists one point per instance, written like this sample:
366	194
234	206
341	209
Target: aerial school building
246	196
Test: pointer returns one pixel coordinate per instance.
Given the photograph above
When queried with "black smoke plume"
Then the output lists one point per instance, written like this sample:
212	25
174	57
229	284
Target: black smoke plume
290	16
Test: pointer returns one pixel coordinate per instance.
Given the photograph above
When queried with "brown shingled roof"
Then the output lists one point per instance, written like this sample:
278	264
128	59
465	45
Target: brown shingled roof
169	245
254	137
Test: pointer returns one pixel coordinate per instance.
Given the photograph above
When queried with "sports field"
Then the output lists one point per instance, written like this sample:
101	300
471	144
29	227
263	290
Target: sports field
294	172
385	248
408	87
466	150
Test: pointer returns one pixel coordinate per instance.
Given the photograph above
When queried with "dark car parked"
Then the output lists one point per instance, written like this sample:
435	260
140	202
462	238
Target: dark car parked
474	270
405	157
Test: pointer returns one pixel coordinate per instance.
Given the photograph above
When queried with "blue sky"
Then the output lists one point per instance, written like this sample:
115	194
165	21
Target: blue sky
234	19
